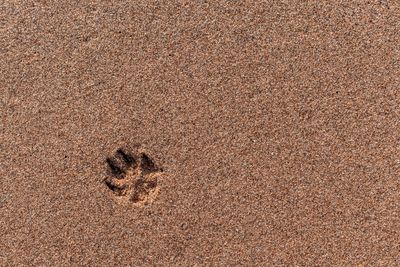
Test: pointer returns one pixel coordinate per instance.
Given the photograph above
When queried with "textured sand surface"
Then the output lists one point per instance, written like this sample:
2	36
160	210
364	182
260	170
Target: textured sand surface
276	125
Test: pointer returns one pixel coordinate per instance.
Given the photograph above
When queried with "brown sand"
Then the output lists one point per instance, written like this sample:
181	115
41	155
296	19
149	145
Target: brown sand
276	125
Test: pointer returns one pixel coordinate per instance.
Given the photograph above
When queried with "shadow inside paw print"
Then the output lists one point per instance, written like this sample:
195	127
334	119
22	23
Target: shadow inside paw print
133	177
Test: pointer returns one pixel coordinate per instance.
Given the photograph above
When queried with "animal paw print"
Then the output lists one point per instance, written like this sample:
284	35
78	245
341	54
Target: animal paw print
133	177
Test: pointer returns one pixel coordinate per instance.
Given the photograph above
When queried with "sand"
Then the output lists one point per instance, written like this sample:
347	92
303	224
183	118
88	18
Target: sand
272	129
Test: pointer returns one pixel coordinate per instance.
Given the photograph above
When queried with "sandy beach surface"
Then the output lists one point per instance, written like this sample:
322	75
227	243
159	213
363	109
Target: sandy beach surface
200	133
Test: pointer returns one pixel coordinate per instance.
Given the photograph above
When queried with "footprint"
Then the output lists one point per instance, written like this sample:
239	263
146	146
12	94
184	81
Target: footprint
133	177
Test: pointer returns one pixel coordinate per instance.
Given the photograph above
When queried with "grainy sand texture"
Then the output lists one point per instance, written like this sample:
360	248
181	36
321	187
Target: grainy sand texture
200	133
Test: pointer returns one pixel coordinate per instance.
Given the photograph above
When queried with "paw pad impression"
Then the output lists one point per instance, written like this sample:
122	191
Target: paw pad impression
133	177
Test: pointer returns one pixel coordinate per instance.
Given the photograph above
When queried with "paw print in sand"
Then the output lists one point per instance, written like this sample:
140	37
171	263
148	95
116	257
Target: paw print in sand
133	177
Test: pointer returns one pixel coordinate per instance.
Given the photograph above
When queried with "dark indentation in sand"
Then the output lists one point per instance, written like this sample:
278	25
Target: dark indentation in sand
119	190
147	164
132	176
127	157
115	169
